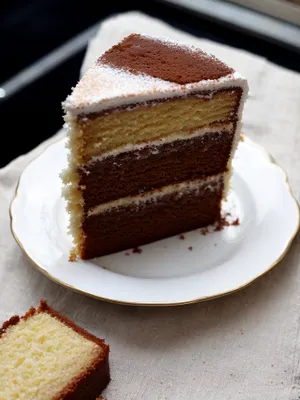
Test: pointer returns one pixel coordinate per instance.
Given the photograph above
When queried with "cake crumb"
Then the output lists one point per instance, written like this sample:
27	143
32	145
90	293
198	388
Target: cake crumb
226	220
181	237
204	231
72	257
191	248
221	224
104	267
127	254
137	250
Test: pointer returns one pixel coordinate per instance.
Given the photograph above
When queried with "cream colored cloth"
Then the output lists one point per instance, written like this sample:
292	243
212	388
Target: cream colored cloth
245	346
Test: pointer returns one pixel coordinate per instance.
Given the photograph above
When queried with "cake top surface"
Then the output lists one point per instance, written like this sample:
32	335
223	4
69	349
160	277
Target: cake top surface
164	59
142	68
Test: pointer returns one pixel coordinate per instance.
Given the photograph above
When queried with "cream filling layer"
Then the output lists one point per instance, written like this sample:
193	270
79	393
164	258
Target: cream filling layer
104	87
212	183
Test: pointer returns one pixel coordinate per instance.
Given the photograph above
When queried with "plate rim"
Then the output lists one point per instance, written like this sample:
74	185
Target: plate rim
269	158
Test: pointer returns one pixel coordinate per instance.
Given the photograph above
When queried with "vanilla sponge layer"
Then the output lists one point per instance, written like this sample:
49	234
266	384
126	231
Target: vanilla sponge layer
93	135
40	356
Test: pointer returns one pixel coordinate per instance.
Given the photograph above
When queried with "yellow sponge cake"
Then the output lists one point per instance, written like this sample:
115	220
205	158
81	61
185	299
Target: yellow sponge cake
45	356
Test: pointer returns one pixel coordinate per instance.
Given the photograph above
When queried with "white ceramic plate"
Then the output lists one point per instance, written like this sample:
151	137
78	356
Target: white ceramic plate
167	272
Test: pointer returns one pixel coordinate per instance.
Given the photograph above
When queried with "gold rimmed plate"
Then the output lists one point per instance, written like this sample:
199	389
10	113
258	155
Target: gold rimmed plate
174	271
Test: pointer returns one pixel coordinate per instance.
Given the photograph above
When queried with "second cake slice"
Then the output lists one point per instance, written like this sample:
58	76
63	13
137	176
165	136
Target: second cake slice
45	356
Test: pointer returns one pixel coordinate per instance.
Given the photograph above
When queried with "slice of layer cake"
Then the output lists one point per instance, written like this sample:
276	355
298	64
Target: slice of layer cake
45	356
152	129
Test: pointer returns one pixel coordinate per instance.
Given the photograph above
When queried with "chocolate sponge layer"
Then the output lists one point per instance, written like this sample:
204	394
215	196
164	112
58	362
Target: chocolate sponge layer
133	225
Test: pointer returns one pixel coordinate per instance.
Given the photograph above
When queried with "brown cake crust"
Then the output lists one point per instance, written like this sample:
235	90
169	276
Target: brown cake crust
14	320
170	215
134	172
164	60
92	382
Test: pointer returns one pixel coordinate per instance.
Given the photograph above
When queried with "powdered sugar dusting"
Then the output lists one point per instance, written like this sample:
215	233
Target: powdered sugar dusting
178	44
104	87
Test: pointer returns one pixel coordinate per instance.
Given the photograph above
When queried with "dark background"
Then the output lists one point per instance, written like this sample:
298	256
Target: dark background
30	31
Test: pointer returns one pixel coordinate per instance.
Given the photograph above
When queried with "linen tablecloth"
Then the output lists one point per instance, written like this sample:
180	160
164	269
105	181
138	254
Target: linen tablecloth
242	346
